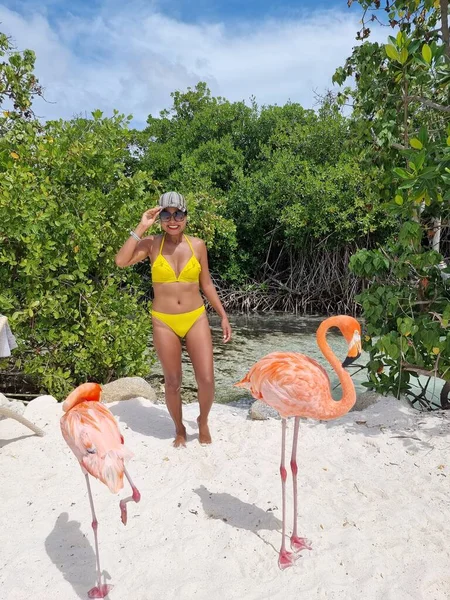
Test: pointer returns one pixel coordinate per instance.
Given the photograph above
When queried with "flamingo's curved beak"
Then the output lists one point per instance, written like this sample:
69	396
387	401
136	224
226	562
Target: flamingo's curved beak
349	360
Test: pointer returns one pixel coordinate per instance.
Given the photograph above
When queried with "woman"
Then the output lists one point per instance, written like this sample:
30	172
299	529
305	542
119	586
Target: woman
179	266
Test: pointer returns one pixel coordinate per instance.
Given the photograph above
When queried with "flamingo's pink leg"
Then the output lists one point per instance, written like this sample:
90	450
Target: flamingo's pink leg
297	543
136	496
102	589
285	559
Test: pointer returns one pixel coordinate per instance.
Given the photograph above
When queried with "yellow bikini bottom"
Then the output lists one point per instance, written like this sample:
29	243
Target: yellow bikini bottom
180	323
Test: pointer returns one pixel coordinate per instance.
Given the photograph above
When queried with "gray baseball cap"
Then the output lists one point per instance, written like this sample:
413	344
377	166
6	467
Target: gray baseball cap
173	200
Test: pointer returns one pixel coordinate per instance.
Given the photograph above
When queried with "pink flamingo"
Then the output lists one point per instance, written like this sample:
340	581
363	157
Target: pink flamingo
92	434
297	386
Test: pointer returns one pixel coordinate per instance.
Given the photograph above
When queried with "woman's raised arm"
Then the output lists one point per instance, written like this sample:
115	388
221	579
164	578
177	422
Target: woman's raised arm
134	250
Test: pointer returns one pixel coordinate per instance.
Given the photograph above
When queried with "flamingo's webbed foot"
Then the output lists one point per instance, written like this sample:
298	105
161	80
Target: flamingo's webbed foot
298	544
100	591
286	559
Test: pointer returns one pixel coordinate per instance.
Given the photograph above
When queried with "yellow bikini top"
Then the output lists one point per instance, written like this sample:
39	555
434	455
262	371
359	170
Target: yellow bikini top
162	271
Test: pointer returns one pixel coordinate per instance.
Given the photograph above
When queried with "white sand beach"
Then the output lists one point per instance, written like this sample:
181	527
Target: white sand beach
374	499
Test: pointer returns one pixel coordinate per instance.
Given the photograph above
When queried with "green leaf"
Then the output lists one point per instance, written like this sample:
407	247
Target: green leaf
392	52
414	46
407	185
402	173
420	61
423	135
403	56
418	159
416	143
427	53
398	199
429	173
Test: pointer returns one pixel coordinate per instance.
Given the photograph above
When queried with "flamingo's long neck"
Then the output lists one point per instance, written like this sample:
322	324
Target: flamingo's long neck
348	399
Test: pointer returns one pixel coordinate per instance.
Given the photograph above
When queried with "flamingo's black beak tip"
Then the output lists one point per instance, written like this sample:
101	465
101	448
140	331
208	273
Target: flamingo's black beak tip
349	360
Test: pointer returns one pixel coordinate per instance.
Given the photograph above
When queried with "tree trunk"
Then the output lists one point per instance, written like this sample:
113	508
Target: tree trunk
437	226
445	31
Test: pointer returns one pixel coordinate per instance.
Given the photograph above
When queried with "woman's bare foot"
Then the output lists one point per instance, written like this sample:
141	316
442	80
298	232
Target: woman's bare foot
180	438
204	436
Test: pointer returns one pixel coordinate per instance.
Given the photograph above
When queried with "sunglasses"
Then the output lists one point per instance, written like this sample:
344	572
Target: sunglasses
165	216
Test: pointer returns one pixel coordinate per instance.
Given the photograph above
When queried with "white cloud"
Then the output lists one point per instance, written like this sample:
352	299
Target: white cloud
132	58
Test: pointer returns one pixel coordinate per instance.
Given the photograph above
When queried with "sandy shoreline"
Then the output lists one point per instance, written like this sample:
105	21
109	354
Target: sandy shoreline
373	499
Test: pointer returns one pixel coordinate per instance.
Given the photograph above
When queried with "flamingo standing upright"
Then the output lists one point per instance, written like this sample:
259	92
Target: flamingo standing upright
92	434
298	386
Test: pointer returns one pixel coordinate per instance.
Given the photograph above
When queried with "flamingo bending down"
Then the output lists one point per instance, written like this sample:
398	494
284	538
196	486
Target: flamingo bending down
298	386
92	434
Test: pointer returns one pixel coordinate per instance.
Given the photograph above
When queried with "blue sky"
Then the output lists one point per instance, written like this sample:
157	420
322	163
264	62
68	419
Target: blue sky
131	54
192	11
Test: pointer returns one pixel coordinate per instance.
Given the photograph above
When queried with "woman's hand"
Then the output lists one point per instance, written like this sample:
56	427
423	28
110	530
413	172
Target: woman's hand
149	217
226	328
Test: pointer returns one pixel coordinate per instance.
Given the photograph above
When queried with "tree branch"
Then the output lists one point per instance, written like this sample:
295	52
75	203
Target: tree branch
419	370
427	102
399	146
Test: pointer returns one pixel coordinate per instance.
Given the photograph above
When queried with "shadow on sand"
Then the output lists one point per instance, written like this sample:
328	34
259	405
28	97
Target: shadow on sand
72	554
4	443
239	514
148	420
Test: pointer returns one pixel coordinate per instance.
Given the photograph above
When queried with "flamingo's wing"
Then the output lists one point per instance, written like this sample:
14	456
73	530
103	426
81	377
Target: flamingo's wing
292	383
90	427
92	433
